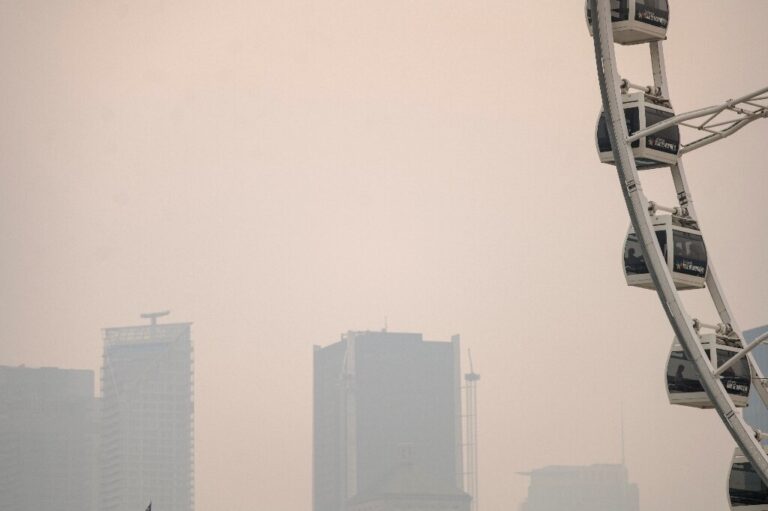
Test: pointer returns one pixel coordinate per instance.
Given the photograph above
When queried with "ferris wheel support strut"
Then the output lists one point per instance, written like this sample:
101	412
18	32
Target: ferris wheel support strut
637	206
741	354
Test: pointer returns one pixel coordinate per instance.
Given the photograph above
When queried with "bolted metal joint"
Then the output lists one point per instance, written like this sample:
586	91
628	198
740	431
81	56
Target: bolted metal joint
719	328
653	207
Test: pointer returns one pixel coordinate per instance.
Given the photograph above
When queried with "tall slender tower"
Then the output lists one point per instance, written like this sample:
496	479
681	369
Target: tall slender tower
470	402
147	417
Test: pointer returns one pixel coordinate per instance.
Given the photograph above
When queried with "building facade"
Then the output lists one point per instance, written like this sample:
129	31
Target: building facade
48	439
408	487
147	427
581	488
387	404
755	413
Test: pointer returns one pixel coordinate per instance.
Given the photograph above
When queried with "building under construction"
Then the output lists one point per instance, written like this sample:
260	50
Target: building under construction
388	424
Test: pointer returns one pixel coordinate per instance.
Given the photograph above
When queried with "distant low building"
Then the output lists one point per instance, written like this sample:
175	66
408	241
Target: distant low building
581	488
48	432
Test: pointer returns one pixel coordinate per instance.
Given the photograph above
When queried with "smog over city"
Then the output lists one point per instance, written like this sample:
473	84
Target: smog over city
356	256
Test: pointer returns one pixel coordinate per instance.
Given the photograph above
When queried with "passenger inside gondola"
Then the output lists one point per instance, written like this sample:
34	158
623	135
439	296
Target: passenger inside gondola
679	378
685	378
634	262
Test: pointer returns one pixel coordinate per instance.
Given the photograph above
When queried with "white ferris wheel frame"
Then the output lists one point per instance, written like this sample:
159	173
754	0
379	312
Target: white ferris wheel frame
744	111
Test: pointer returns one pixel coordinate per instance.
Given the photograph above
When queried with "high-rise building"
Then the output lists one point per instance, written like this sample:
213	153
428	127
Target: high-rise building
147	431
755	413
48	438
581	488
387	424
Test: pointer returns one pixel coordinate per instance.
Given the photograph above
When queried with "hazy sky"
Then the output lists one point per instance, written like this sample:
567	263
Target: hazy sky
279	172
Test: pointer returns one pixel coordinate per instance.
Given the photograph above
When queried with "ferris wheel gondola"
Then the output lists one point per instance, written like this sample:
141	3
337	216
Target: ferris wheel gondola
746	491
636	21
682	247
642	111
684	385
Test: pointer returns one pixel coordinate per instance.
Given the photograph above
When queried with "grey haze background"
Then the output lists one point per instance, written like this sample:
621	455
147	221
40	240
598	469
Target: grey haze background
280	172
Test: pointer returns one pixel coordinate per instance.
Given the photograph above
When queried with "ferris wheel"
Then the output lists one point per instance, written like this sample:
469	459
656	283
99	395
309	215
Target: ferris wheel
710	365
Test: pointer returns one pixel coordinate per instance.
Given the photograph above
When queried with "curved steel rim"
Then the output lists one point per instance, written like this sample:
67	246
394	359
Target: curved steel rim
637	206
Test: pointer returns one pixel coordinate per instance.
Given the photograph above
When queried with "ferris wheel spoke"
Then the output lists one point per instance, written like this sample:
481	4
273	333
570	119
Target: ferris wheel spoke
717	128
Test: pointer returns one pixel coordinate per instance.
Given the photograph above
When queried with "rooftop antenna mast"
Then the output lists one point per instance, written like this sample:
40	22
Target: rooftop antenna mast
152	316
470	389
623	453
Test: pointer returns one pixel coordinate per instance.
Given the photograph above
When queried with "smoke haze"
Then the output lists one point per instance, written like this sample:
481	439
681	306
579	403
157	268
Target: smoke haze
281	172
